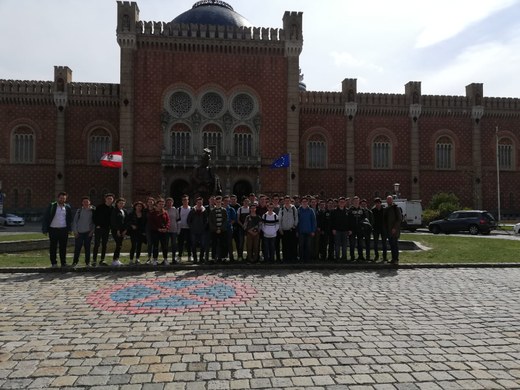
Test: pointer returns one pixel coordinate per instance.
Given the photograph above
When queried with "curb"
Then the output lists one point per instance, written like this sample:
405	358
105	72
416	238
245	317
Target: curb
263	267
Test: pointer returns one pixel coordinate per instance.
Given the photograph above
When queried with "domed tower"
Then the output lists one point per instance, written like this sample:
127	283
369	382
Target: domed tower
213	12
208	79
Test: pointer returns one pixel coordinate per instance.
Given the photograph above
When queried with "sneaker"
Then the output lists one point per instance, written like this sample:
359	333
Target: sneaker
165	263
87	265
102	263
154	262
149	261
131	262
116	263
137	262
190	258
54	266
74	264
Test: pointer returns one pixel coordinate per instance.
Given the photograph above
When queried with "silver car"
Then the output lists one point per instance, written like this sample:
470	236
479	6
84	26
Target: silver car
11	220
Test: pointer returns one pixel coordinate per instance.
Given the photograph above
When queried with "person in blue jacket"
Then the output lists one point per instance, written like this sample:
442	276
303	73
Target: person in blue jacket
306	229
57	223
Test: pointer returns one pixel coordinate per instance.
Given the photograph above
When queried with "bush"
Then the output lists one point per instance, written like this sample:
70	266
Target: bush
441	205
430	215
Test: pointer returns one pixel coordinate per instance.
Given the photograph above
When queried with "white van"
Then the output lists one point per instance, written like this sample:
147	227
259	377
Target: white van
412	213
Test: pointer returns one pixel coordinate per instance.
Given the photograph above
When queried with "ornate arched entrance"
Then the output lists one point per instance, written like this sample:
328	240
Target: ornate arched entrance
178	188
242	188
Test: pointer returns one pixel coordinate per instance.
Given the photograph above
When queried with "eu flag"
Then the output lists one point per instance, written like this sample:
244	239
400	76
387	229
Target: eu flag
283	161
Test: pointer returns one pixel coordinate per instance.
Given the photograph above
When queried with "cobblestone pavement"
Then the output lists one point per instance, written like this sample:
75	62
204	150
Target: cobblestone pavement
387	329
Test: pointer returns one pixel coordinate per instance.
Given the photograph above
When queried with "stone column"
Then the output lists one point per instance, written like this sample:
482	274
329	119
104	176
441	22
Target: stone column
292	26
474	93
476	114
415	113
62	77
127	19
349	91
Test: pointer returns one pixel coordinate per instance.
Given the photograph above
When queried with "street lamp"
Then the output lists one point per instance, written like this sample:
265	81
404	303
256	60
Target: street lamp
396	190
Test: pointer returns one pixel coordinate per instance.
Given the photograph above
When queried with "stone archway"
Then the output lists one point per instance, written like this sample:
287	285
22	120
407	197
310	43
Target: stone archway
178	188
242	188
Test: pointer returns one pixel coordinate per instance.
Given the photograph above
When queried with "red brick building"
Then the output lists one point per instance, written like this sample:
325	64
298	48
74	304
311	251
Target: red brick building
208	79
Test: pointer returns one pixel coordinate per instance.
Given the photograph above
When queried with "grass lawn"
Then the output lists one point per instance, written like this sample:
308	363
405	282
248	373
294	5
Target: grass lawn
457	249
444	249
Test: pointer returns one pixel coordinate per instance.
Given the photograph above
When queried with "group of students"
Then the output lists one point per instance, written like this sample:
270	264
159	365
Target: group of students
260	229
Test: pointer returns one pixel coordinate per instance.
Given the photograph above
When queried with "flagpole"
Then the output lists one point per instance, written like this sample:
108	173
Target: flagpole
498	174
121	174
290	174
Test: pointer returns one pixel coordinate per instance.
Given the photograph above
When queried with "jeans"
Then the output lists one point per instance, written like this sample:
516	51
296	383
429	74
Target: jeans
269	248
394	247
82	240
340	245
305	244
101	237
289	245
118	239
379	234
201	240
58	237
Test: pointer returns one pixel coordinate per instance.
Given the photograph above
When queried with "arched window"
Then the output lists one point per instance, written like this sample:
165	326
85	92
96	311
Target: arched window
212	139
381	152
28	198
506	160
23	145
243	142
316	152
444	153
16	199
180	140
100	142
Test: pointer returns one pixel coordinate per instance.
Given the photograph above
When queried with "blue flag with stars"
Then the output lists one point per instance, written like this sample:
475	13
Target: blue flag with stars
283	161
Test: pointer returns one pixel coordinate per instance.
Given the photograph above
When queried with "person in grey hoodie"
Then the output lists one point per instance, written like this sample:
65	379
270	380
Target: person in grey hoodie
83	229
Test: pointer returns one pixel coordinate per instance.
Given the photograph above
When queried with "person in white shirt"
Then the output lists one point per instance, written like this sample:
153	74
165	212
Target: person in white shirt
57	223
270	226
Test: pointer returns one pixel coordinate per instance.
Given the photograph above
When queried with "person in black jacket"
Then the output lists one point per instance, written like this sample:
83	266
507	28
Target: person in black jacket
340	228
136	231
356	218
57	223
118	224
101	220
378	212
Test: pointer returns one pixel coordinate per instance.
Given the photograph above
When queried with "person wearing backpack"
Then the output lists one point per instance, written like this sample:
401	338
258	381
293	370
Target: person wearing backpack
83	229
288	217
270	226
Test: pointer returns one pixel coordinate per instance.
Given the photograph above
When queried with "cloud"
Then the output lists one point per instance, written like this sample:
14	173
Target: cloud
448	18
494	64
346	60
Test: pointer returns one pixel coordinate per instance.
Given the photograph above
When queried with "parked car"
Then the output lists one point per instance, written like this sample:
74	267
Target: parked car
472	221
516	228
11	220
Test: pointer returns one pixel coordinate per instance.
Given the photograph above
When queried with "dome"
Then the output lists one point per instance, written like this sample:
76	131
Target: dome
212	12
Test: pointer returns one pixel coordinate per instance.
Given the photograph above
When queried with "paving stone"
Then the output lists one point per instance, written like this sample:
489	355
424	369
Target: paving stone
411	329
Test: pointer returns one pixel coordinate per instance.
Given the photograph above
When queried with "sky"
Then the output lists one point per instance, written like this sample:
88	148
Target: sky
444	44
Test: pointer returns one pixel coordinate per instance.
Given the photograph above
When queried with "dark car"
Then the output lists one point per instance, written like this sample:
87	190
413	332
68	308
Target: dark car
473	221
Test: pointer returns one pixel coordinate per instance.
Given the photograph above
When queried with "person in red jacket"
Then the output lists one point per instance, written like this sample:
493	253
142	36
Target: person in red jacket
159	224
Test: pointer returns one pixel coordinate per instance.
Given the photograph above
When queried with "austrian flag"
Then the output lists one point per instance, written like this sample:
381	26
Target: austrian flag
112	160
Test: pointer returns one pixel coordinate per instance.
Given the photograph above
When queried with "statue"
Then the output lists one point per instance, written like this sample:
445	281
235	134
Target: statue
203	181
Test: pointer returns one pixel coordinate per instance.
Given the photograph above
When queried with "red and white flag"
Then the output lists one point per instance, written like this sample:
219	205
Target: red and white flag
112	160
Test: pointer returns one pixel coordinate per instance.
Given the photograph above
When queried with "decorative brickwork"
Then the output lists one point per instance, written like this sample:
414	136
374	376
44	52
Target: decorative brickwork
178	80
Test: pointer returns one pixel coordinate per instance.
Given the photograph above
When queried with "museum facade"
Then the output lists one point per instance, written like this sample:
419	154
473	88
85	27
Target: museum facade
209	79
